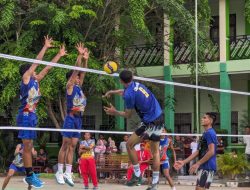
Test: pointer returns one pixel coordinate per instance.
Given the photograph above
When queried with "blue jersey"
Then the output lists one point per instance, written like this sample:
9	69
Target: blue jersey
208	137
76	101
29	96
164	144
138	97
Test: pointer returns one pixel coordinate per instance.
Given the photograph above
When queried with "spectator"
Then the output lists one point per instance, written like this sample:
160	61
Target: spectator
100	149
193	147
178	147
123	145
220	146
187	153
87	161
111	146
247	150
144	157
41	158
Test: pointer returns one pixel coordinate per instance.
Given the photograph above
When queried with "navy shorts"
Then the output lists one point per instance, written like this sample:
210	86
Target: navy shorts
72	122
17	169
152	130
26	119
204	178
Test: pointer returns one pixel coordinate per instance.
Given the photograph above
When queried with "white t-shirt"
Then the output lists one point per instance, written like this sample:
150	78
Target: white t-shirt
123	147
138	147
247	142
193	146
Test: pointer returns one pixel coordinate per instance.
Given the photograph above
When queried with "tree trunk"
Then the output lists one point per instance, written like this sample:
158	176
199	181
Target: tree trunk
52	115
61	108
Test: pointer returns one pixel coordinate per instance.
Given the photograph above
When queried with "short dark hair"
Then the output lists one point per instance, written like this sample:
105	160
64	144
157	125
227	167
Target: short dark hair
23	68
68	74
212	116
126	76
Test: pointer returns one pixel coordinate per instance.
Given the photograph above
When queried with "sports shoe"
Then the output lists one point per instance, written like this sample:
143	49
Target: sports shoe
95	188
134	180
60	178
139	182
86	187
68	179
33	181
37	175
152	187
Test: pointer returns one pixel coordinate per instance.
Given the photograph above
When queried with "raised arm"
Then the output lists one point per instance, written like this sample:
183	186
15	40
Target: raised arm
85	57
29	73
62	52
111	92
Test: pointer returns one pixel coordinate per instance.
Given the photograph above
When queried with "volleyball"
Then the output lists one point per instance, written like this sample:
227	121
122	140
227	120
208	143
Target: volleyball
110	67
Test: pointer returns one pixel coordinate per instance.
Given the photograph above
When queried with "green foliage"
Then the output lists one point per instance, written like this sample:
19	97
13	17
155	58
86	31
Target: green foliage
247	10
7	14
231	165
245	120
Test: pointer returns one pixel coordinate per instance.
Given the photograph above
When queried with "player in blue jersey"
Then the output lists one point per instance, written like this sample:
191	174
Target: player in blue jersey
29	98
139	97
76	103
206	165
165	144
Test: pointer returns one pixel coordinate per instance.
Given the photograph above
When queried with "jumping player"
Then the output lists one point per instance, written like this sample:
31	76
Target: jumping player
140	98
76	102
29	97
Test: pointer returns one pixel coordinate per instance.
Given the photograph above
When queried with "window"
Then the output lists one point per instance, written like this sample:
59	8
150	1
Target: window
183	123
214	29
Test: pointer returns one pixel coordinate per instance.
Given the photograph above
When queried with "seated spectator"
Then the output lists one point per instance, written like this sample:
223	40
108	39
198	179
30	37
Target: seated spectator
111	146
87	161
123	145
41	158
193	147
144	157
101	144
220	146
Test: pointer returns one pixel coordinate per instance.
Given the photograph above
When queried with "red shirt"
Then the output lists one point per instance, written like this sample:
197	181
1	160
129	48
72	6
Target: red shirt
143	155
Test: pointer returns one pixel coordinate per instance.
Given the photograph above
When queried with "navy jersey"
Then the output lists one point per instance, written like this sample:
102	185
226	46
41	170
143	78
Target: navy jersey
29	96
138	97
76	101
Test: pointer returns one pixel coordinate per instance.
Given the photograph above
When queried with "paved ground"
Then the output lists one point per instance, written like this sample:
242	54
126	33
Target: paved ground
17	184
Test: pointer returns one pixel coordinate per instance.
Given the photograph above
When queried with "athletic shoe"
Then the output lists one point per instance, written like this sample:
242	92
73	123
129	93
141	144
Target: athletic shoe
33	181
60	178
134	180
95	188
37	175
86	187
139	182
152	187
68	179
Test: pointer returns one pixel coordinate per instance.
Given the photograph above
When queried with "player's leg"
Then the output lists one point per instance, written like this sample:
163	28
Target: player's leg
204	179
165	167
11	172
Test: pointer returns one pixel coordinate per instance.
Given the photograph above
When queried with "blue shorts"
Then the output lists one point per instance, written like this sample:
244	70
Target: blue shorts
72	122
17	169
25	119
165	165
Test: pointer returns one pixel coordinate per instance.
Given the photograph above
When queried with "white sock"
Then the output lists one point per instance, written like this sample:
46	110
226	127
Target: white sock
173	188
60	167
155	177
68	168
137	170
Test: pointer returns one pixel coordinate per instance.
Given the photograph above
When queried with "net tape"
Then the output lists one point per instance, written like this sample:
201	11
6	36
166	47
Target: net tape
17	58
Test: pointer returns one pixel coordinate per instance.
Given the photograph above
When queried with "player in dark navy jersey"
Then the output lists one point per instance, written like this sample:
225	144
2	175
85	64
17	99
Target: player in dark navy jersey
29	98
206	165
139	97
76	102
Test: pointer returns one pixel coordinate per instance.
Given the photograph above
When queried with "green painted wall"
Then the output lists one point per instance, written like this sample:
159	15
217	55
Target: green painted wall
225	100
119	104
168	100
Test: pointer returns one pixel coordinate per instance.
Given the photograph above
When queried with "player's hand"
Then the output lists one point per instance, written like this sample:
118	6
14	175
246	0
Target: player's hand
110	110
179	164
107	94
80	48
48	42
85	54
62	51
194	168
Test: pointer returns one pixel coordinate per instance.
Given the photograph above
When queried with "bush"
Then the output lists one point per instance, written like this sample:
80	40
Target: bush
232	166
